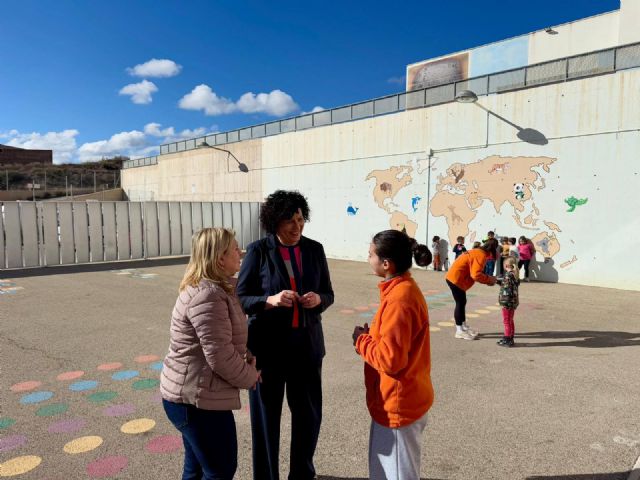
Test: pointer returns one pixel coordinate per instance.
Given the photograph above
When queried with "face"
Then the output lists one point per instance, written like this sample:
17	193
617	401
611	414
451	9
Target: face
379	267
522	241
290	231
229	262
508	267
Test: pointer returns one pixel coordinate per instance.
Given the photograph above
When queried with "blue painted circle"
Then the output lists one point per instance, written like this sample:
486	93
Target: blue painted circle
156	366
125	375
35	397
83	385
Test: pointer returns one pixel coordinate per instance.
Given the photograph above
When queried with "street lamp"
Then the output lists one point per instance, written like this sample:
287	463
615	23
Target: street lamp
241	166
529	135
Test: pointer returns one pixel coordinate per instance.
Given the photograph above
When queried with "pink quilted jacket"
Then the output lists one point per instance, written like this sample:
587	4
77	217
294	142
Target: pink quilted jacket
206	363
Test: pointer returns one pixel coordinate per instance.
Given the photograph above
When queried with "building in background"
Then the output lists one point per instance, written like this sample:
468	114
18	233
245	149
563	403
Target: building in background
14	155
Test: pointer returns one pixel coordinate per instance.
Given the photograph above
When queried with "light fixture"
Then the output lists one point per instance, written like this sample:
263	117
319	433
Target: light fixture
551	31
466	96
241	166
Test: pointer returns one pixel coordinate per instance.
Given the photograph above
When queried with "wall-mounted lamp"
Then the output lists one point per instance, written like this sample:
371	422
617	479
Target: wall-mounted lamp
528	135
241	166
551	31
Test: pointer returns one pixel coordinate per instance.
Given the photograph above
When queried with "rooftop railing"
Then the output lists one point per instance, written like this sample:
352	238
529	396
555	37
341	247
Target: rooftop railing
560	70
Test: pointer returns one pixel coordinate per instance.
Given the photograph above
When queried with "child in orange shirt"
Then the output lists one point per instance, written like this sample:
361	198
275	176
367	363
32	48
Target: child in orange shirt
396	351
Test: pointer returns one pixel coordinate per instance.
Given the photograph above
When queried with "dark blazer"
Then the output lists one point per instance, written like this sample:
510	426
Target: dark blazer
263	274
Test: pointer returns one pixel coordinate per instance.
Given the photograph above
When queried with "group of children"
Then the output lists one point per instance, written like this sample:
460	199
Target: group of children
509	255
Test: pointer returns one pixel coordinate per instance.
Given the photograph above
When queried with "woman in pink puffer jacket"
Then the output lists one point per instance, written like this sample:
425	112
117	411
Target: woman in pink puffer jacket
208	362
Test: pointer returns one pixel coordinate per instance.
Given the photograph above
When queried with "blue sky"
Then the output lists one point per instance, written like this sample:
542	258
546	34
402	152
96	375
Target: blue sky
68	76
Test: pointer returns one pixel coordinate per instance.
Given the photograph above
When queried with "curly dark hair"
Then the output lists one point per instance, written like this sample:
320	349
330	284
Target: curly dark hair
282	205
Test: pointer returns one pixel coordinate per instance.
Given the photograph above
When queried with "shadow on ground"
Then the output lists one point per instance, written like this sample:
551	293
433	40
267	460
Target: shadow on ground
92	267
580	338
361	478
584	476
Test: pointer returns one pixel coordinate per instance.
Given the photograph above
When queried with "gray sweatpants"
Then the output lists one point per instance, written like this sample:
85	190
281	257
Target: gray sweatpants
394	453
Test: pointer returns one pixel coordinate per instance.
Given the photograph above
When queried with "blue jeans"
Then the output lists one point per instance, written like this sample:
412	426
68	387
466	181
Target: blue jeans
489	266
210	441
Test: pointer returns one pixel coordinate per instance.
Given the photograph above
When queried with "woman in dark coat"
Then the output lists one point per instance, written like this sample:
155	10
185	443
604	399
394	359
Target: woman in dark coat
284	286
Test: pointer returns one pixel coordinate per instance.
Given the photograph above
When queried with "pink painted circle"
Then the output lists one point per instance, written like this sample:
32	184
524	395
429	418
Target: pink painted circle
67	426
110	366
374	305
347	311
146	358
70	375
361	309
164	444
25	386
107	466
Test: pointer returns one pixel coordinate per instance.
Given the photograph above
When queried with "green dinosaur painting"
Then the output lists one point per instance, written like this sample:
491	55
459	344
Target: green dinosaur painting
573	202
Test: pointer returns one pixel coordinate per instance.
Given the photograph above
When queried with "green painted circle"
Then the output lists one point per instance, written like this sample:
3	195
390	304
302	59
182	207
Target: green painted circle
102	396
145	384
53	409
435	304
6	422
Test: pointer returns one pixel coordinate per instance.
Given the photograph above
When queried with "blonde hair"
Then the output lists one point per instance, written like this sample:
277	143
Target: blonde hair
207	246
512	261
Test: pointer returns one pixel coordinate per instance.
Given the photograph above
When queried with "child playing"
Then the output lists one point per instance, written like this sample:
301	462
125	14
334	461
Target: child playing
508	298
526	252
513	248
435	248
490	265
504	252
477	244
458	248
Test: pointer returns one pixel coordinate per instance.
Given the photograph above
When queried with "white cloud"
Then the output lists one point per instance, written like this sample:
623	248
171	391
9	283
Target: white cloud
123	143
140	92
62	143
315	109
154	130
156	68
205	99
275	103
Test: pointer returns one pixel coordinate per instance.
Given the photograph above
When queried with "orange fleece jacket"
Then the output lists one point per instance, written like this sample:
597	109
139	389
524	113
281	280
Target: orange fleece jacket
468	269
397	353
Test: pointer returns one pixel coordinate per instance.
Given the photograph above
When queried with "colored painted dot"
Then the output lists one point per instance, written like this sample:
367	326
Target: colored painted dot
446	324
139	425
53	409
107	466
70	375
125	375
67	426
491	307
119	410
83	386
164	444
146	358
472	315
436	305
6	422
361	309
156	397
156	366
25	386
11	442
347	311
434	329
146	383
109	366
35	397
366	315
82	444
374	305
99	397
19	465
483	311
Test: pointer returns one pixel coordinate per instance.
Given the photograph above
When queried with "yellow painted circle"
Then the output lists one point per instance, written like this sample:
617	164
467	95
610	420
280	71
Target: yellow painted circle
83	444
472	315
492	307
434	329
446	324
483	311
140	425
19	465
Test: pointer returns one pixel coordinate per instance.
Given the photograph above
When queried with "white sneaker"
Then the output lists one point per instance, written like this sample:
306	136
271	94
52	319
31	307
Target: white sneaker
464	335
471	332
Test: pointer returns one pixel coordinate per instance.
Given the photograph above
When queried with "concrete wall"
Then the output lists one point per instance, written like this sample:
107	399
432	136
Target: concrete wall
588	165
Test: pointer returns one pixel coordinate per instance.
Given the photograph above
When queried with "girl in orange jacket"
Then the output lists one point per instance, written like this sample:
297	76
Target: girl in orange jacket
397	356
465	271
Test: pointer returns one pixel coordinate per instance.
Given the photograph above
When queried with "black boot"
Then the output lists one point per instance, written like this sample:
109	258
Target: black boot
510	342
502	341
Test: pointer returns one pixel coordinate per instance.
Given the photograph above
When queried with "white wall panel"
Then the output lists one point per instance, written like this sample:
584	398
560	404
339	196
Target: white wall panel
136	230
81	231
67	244
122	231
96	241
29	224
51	235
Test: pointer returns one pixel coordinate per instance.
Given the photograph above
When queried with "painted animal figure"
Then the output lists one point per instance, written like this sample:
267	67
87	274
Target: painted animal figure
574	202
499	168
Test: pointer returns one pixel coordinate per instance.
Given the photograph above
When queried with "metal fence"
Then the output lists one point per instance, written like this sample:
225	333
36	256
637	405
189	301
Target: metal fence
59	233
560	70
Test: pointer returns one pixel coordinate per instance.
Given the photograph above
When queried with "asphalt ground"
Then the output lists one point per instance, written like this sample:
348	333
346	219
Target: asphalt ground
81	346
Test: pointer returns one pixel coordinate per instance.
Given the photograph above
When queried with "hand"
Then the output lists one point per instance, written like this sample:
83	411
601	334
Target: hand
258	380
357	331
283	299
310	300
492	281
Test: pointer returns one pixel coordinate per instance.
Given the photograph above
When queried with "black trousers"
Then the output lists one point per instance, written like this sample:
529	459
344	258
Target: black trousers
524	263
460	297
301	379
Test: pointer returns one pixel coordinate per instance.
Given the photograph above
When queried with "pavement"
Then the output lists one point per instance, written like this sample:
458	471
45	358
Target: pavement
81	348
